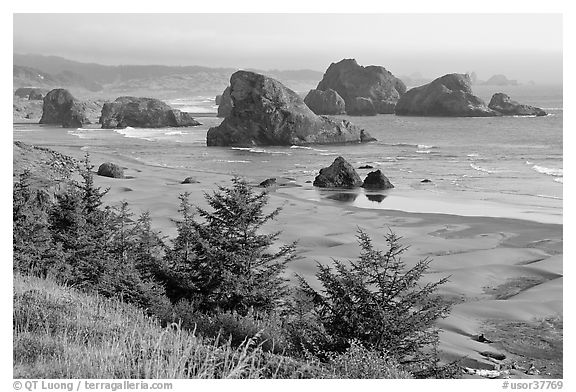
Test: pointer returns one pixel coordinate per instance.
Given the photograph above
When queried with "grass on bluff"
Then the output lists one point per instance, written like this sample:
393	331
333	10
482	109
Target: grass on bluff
61	332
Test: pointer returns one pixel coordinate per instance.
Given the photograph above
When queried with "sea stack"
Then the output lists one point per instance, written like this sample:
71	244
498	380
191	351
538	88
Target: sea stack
265	112
365	90
143	113
340	174
61	108
504	104
450	95
377	180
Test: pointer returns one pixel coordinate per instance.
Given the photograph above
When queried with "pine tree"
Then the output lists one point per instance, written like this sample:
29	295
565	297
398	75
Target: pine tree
379	302
220	261
83	230
31	240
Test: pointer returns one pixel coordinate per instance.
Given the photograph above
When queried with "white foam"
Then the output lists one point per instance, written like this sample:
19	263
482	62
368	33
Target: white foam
549	171
549	197
423	151
481	169
559	179
472	155
307	148
425	147
175	133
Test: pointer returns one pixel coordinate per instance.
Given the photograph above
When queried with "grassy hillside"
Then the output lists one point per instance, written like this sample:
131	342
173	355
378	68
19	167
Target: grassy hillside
60	332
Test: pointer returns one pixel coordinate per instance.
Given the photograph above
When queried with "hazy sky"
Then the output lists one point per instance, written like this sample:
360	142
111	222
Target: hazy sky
521	46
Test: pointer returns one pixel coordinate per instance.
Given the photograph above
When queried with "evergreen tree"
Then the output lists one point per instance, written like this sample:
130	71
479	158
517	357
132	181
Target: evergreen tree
220	260
380	303
83	231
31	240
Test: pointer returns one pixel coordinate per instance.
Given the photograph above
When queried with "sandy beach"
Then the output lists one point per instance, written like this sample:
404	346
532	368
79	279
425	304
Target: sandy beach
505	274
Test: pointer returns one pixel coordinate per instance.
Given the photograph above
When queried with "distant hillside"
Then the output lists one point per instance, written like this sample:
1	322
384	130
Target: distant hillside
154	80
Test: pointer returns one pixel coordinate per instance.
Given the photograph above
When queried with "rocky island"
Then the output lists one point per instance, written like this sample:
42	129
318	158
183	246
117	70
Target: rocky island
450	95
365	90
505	105
143	113
265	112
61	108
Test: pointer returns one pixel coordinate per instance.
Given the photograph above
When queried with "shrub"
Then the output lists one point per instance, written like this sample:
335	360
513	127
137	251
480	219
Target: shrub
265	329
220	261
379	303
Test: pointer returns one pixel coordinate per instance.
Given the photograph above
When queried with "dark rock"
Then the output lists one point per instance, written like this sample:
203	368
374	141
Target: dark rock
308	182
61	108
340	174
218	99
503	104
426	180
325	102
482	339
450	95
351	80
490	354
265	112
377	180
226	104
267	182
143	113
190	180
366	167
112	170
360	106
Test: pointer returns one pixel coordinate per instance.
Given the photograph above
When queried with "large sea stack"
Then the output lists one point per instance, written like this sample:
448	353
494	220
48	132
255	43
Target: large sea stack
265	112
61	108
143	113
373	83
505	105
450	95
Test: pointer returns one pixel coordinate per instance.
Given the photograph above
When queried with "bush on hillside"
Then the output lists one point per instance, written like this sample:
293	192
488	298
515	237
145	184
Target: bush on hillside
220	261
379	303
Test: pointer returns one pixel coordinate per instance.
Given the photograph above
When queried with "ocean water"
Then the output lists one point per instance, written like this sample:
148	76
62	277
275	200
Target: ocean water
512	161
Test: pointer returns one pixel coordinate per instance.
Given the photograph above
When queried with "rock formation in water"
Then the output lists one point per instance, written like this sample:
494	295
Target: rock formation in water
225	104
265	112
377	180
61	108
504	104
143	113
500	80
450	95
374	83
325	102
340	174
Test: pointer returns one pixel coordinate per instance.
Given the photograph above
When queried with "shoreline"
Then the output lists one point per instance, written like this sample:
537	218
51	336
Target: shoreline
485	256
